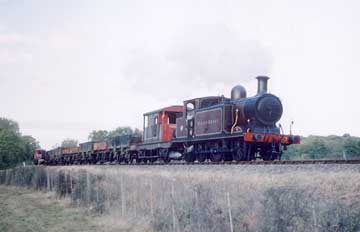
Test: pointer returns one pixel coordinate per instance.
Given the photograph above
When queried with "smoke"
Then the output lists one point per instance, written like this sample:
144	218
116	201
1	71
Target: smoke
199	56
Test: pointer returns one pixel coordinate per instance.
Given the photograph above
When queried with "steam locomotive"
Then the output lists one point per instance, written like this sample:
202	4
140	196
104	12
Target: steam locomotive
213	128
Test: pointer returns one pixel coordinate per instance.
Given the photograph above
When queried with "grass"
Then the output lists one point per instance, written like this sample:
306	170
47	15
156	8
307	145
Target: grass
207	198
25	210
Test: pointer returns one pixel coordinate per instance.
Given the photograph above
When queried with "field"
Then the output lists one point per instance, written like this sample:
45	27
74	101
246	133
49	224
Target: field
25	210
206	198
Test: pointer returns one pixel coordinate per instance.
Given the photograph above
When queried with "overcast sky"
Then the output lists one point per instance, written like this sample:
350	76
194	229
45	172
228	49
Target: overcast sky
68	67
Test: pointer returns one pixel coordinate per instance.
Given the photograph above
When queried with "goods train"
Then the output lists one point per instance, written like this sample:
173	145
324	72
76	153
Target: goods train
206	129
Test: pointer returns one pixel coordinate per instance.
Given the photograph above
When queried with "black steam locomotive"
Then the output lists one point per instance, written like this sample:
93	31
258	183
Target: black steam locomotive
212	128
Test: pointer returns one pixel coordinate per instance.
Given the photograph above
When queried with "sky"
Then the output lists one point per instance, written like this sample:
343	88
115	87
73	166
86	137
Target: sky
70	67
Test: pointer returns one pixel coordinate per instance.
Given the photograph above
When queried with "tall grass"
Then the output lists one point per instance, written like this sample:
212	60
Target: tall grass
208	198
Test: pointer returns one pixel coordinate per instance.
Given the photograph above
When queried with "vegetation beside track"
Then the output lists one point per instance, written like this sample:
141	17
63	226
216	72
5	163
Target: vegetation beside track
270	197
325	147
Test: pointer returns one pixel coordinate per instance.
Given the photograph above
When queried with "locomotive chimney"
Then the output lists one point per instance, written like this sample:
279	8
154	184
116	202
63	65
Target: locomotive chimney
262	84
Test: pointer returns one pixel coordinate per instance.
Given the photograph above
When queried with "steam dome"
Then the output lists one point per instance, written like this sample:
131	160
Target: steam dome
238	92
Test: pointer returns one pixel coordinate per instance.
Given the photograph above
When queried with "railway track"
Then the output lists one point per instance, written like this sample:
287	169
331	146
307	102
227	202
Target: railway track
275	162
258	162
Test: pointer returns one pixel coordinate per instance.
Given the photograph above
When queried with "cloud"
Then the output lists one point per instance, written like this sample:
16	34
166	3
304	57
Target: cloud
203	55
14	48
216	54
10	38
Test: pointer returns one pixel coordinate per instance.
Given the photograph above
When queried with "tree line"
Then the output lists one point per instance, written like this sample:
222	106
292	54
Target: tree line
102	135
325	147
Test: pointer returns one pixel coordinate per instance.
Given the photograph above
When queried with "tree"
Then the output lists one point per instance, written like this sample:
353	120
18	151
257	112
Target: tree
101	135
69	143
98	135
352	147
8	124
316	149
14	148
137	131
124	131
31	145
11	148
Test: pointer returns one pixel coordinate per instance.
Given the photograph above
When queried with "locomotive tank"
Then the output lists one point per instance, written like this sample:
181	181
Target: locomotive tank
263	109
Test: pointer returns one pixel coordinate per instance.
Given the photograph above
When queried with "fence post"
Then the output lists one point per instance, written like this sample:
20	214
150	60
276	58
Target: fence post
71	184
135	193
197	211
88	188
122	196
173	206
315	218
48	180
229	210
151	200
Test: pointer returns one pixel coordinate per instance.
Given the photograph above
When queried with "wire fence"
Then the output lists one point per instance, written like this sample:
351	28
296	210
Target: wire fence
205	201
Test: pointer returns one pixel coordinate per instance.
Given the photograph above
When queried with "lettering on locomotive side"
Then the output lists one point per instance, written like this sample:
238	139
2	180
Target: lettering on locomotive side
208	122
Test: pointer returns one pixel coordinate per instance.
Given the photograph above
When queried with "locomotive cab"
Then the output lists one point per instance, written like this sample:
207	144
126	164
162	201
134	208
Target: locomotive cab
159	125
185	126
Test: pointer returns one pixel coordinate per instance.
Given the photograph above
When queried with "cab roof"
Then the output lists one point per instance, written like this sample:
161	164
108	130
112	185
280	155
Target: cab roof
175	108
205	98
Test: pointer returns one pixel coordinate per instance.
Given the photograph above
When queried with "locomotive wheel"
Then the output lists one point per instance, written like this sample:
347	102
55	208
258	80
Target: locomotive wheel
189	157
267	154
201	157
238	154
216	157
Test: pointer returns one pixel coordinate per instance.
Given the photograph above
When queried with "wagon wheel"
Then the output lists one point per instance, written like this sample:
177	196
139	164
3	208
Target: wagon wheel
189	157
164	155
166	160
201	157
120	159
216	157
